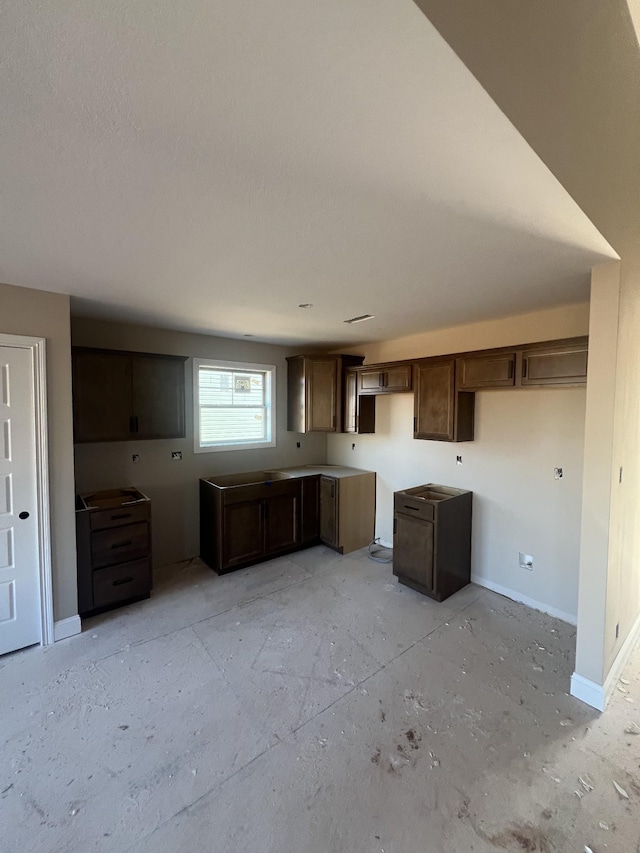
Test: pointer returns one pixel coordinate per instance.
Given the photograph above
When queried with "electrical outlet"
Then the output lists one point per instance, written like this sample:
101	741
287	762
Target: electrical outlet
526	561
176	455
353	447
298	445
135	457
458	460
557	473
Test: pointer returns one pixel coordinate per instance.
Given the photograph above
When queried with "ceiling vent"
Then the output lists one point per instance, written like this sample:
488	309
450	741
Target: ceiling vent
359	319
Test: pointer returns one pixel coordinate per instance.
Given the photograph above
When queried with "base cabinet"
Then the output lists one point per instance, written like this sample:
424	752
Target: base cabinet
347	511
247	524
113	543
432	539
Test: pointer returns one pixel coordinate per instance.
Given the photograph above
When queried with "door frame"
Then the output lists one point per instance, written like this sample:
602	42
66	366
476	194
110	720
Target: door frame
39	360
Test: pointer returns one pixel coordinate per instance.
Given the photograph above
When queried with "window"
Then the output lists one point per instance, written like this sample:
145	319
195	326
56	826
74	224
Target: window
233	405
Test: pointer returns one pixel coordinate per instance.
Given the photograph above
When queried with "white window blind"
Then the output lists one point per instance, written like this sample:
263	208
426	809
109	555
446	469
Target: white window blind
233	405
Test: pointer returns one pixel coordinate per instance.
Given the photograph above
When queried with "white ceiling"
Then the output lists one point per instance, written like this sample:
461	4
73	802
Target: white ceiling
208	165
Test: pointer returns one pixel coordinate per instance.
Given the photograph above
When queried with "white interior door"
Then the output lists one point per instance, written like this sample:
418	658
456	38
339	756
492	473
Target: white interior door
20	609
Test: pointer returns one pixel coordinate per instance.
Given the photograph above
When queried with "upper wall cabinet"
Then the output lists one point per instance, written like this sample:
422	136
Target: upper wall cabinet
123	396
441	413
359	410
564	363
314	392
497	370
385	378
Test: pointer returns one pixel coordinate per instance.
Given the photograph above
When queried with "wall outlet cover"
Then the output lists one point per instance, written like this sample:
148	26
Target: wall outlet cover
135	457
458	460
176	454
526	561
557	473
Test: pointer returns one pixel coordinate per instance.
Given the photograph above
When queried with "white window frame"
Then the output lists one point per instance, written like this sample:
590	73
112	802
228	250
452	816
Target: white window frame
270	397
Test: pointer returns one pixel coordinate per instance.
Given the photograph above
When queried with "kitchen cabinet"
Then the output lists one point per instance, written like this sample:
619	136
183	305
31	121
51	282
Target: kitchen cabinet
248	522
359	411
441	412
385	378
314	392
113	543
310	510
497	370
347	511
432	539
563	363
122	396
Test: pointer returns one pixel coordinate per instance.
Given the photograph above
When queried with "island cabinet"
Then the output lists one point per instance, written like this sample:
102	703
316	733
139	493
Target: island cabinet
347	511
441	412
113	543
124	396
385	378
314	392
432	539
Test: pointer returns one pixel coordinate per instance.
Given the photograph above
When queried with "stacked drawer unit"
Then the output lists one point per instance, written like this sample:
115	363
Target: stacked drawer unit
113	537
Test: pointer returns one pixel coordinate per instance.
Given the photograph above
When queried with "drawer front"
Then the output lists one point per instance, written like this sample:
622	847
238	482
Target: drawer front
121	582
413	507
117	517
119	545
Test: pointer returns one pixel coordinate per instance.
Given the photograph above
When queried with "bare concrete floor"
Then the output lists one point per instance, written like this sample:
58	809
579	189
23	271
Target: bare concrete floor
313	705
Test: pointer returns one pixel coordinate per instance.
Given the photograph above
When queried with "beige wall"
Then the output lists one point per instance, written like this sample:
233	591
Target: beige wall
173	486
46	315
568	76
521	436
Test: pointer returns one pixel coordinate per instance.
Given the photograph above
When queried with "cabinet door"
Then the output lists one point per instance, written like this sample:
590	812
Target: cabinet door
101	395
371	381
489	371
282	523
359	411
435	400
555	366
242	533
413	550
158	397
321	395
329	511
398	379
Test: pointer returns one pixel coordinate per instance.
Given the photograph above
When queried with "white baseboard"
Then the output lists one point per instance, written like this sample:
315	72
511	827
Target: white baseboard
598	695
66	628
524	599
588	692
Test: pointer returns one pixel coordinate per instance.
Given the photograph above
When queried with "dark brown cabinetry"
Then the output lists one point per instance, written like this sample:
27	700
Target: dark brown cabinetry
310	510
113	540
314	392
245	524
486	371
120	396
385	379
441	412
347	511
359	411
563	364
432	539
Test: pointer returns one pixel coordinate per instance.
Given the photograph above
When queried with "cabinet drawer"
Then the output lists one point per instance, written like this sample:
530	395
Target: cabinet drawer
121	515
119	545
119	583
413	507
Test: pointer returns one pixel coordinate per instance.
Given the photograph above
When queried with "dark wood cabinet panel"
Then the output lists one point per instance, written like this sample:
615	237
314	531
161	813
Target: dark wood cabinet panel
102	409
563	365
489	371
385	379
329	511
242	533
441	413
120	396
282	523
359	411
158	396
310	509
433	557
113	543
413	550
